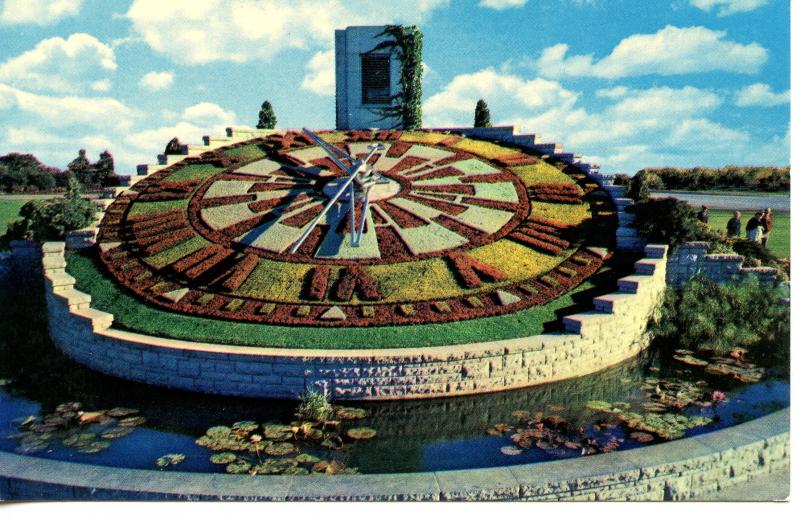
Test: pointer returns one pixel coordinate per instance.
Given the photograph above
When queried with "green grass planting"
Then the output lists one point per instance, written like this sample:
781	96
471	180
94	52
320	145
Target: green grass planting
134	315
9	211
779	242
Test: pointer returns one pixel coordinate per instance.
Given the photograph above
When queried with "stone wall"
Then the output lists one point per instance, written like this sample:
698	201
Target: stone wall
592	341
687	469
692	258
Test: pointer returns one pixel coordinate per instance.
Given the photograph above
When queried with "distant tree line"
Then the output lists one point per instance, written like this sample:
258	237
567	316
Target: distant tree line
24	173
758	178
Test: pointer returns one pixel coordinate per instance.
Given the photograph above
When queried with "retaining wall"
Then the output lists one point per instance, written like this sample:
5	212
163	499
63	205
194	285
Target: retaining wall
615	331
687	469
691	258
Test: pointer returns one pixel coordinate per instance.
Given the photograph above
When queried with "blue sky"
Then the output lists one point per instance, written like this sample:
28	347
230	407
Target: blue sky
627	83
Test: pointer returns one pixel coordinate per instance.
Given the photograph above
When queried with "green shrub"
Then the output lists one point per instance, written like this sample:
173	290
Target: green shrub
670	221
314	407
705	315
641	185
46	220
761	178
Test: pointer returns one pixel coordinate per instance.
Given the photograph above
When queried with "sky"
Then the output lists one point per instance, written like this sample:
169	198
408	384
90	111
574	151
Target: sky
628	84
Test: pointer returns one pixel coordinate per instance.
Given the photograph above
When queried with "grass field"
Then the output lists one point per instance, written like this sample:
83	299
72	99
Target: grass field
134	315
779	238
9	211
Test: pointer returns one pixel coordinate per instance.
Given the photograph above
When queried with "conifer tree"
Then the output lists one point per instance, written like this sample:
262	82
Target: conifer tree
266	117
483	118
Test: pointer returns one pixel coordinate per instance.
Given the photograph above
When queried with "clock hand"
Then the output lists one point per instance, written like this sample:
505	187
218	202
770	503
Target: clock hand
332	151
331	202
364	209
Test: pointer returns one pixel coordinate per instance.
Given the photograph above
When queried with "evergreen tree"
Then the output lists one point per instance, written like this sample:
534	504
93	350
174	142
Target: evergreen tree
266	117
80	167
104	169
483	118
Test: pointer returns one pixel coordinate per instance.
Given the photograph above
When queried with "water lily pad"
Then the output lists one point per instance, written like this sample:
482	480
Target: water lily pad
335	467
277	431
169	460
307	458
218	430
87	417
5	382
642	437
94	447
222	458
509	450
132	421
494	432
29	447
280	449
121	412
296	471
320	466
116	432
77	439
350	413
245	426
361	433
238	467
68	406
690	360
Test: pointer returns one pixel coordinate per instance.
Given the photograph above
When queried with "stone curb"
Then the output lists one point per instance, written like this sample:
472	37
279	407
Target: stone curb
679	470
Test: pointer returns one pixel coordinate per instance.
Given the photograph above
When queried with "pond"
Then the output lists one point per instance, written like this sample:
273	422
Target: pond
421	435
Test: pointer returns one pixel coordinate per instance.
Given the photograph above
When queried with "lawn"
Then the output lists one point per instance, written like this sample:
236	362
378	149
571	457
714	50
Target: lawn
9	211
779	238
134	315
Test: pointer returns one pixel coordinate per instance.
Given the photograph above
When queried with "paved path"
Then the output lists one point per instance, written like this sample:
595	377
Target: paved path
734	202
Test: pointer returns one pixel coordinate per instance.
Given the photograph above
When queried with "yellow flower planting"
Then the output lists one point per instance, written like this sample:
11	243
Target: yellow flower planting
541	173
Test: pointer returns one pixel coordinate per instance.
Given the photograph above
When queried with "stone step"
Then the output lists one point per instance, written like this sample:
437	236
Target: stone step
626	232
622	203
616	191
626	219
615	303
59	281
53	246
75	299
98	319
632	284
648	267
585	322
656	251
630	244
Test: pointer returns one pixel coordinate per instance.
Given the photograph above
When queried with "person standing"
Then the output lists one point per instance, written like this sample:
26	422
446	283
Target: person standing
766	226
753	228
702	215
735	226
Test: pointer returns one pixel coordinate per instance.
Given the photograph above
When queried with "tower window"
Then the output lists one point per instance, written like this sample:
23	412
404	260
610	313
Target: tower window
375	81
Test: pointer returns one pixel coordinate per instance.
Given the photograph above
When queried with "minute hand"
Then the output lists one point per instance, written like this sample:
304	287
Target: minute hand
330	150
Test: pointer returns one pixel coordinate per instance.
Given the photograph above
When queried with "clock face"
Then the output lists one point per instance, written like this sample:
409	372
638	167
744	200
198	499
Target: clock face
455	229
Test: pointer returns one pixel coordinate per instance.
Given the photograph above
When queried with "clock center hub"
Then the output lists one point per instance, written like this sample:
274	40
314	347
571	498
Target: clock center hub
381	190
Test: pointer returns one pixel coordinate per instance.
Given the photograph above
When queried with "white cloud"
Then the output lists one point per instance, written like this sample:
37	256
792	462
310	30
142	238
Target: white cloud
103	85
155	81
672	50
208	114
38	12
500	5
630	129
60	65
761	94
320	77
67	111
728	7
30	136
216	30
457	100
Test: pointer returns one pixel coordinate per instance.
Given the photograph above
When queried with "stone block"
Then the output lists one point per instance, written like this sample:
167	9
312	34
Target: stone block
75	300
98	320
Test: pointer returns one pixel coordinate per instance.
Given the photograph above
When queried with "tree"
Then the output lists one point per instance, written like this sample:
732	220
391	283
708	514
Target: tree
80	166
23	172
103	169
670	221
266	117
174	146
483	118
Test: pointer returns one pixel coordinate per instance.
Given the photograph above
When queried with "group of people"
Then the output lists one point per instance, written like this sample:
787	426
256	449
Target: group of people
757	229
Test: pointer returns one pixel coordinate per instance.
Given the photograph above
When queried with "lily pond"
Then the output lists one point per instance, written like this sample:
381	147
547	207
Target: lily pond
52	407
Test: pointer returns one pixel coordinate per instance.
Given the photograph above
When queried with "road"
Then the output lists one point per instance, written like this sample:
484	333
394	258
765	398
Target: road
737	202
